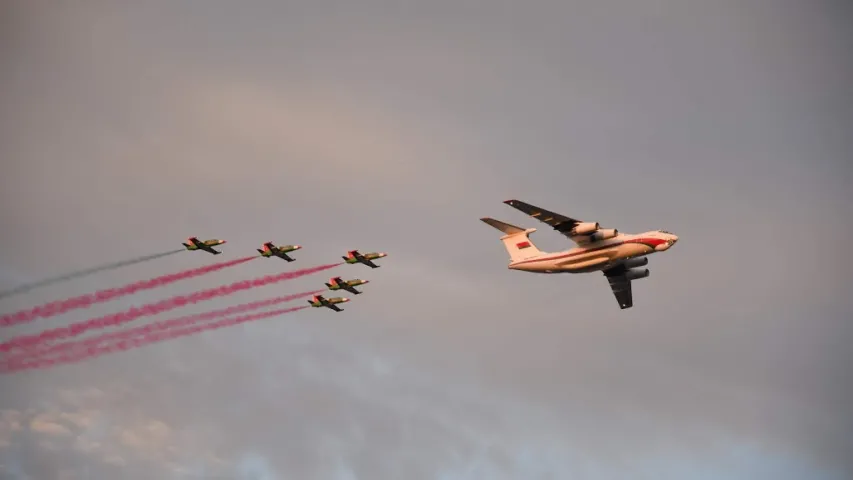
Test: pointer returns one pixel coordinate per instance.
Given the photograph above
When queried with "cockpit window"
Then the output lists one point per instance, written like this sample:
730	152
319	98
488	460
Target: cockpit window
664	231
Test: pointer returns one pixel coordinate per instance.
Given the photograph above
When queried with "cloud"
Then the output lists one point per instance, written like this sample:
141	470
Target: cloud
44	423
255	467
303	127
69	426
83	419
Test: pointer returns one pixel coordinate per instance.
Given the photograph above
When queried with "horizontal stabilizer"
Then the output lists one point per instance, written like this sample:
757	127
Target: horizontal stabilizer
504	227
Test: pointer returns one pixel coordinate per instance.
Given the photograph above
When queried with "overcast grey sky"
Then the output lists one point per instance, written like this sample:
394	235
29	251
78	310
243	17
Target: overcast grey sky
127	126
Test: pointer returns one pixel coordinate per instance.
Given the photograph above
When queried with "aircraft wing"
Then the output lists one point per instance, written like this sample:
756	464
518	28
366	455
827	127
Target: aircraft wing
620	285
334	307
369	263
561	223
506	228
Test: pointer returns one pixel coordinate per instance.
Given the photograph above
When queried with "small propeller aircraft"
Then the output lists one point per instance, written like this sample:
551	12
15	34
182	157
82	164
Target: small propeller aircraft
270	250
336	283
320	301
354	257
196	244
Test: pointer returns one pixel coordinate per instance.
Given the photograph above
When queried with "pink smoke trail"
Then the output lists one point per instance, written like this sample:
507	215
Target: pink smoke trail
123	345
46	349
26	341
62	306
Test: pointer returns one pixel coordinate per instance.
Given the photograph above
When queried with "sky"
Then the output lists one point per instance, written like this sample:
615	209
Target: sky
394	126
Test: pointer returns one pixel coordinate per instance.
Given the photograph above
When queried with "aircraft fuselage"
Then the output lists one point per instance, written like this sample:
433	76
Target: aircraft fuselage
599	255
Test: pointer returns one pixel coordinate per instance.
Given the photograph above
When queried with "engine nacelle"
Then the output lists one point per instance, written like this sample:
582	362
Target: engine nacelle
585	228
637	274
603	234
636	262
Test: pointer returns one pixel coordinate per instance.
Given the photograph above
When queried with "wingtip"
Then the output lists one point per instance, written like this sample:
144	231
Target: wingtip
509	202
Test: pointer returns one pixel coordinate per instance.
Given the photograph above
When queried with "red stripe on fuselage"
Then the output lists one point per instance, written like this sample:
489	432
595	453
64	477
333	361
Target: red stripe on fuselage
652	242
648	241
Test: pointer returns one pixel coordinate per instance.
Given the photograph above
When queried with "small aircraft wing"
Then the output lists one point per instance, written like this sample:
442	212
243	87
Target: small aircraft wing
333	307
209	249
369	263
620	285
561	223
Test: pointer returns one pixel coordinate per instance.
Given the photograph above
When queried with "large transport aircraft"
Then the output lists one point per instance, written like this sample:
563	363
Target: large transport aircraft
617	255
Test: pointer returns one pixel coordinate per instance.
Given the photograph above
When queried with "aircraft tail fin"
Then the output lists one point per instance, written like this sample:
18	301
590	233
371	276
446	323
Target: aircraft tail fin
516	241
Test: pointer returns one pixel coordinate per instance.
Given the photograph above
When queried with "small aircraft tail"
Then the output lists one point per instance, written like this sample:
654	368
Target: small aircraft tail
516	241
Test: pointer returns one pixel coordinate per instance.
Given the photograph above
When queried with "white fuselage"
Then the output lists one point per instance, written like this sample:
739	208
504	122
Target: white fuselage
599	255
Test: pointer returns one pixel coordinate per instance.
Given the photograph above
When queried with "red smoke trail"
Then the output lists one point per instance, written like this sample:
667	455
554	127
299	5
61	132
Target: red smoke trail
27	341
122	345
61	306
41	350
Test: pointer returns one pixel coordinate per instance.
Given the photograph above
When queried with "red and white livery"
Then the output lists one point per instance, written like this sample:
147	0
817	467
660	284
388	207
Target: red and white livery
617	255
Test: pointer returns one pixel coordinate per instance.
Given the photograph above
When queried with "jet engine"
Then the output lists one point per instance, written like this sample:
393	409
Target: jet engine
636	262
585	228
603	234
637	274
